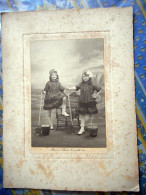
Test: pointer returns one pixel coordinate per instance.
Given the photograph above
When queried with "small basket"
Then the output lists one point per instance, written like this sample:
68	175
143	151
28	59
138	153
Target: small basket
45	130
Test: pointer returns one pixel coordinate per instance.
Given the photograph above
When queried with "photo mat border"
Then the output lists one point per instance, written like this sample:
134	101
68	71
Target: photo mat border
58	152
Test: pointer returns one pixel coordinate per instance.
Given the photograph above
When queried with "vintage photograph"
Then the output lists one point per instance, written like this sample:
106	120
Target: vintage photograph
68	93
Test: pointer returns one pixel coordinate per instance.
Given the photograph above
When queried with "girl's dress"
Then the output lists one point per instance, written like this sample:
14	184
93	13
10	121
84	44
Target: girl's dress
87	104
54	95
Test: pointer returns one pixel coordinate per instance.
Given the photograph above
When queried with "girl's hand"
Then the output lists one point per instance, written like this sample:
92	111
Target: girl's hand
44	92
72	88
66	91
94	95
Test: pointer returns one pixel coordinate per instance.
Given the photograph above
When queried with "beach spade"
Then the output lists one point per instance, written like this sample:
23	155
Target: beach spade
71	128
44	129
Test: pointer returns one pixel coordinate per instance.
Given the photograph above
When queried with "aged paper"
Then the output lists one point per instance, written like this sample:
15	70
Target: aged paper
113	167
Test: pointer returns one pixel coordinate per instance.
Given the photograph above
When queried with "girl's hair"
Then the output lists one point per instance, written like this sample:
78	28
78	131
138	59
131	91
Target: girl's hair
90	79
50	77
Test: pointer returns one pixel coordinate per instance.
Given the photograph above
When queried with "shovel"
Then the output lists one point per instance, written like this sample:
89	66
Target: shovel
71	118
38	128
44	129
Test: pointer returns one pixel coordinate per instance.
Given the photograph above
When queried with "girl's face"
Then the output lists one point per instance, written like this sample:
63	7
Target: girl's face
85	78
54	76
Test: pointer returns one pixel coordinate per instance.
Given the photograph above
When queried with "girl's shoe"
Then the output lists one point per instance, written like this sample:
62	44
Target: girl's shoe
50	123
81	131
65	114
51	128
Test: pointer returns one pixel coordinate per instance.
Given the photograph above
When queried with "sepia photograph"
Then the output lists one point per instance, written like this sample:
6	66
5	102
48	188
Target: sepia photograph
68	93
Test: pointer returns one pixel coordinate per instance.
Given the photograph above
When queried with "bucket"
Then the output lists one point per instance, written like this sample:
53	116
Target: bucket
45	130
38	131
93	130
92	125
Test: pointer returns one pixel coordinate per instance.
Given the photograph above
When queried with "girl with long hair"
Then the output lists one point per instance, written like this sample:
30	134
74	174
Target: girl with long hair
87	101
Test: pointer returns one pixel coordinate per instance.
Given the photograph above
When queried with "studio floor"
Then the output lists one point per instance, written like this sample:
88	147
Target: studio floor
63	137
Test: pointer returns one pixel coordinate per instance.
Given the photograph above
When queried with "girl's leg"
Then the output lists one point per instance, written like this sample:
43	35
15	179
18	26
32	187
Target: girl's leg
64	107
50	120
87	119
82	129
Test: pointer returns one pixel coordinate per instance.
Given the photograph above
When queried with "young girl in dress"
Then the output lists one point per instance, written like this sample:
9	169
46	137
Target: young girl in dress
55	96
87	102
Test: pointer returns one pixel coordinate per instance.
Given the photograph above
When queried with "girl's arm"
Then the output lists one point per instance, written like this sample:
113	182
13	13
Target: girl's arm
96	88
46	89
61	88
77	87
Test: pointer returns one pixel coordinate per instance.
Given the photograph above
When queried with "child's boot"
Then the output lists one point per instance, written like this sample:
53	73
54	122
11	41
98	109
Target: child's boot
64	110
51	124
82	129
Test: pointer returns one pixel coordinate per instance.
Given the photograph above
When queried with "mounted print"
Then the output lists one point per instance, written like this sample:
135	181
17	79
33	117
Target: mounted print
67	93
69	100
